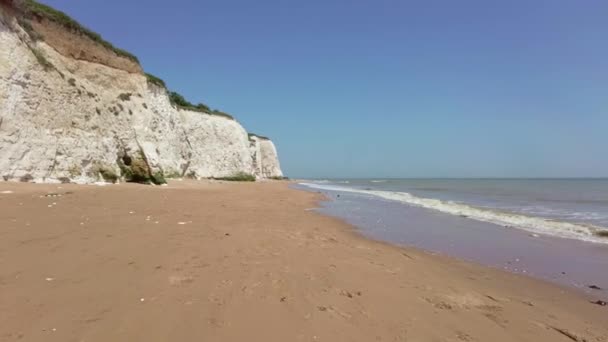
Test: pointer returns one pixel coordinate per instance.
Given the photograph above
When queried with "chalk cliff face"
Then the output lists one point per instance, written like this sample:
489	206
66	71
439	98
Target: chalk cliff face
265	157
70	114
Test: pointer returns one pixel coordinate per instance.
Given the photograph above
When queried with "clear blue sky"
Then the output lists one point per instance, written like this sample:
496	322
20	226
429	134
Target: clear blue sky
384	88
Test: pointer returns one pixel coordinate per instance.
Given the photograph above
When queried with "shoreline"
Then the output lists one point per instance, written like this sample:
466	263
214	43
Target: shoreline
532	224
573	263
357	232
228	261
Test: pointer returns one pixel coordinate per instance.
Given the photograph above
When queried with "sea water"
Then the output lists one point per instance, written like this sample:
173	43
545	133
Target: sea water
569	208
549	228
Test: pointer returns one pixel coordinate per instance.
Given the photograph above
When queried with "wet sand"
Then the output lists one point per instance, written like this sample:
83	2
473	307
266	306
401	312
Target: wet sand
247	262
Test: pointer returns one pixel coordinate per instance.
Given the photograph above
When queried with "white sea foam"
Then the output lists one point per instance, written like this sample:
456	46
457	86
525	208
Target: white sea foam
529	223
326	181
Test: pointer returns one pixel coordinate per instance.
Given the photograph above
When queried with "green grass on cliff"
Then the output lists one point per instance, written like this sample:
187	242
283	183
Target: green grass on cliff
222	114
156	80
257	136
33	9
180	102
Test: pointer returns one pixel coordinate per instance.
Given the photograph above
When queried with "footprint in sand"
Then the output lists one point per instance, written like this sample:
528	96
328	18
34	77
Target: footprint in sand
462	336
177	280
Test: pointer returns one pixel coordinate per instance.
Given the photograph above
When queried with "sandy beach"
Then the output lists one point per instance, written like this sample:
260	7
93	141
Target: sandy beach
210	261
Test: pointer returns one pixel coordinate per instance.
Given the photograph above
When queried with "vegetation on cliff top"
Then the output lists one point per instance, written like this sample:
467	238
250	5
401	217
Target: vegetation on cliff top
257	136
32	9
156	80
220	113
180	102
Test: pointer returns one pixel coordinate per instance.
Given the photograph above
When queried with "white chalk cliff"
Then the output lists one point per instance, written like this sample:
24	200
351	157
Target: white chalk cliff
69	112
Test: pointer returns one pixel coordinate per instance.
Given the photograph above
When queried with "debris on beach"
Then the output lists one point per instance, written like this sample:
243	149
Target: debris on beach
6	192
569	334
594	287
346	294
600	303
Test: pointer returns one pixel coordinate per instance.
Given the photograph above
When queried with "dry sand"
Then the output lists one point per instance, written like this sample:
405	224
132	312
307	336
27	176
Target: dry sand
198	261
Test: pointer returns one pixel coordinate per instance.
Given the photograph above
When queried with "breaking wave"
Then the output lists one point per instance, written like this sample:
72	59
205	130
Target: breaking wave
534	224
